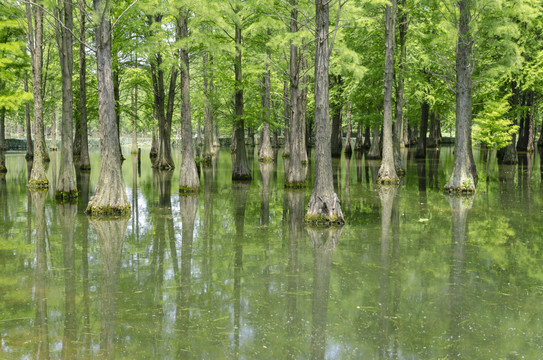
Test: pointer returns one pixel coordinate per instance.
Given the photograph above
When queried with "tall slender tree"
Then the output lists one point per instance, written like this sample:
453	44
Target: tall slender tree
84	159
110	196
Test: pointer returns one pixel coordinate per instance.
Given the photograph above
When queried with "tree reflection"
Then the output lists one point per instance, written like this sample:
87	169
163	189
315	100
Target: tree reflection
5	219
421	174
347	182
189	209
239	193
433	166
207	264
265	172
358	157
323	241
41	332
457	273
387	301
111	233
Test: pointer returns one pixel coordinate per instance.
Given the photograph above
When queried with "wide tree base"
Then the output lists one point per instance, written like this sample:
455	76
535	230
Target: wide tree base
3	169
66	196
108	210
38	184
266	160
324	210
295	185
188	190
387	175
460	189
388	181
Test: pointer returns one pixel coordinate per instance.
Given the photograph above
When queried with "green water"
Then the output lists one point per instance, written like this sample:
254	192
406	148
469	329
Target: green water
235	273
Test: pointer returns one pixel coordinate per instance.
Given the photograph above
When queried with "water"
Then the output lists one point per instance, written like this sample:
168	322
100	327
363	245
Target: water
235	273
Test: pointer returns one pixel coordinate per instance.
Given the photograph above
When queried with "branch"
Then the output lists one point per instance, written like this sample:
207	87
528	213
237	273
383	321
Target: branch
120	16
340	4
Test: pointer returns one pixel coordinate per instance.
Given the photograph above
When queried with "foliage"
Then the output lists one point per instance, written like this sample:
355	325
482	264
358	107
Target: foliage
492	127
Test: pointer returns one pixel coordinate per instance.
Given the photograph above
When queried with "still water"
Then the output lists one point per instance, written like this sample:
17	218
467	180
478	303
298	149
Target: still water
234	273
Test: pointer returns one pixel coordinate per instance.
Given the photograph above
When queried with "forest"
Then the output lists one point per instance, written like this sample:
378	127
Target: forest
337	76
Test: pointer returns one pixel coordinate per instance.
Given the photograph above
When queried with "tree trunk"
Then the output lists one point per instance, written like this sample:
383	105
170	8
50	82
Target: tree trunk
66	186
286	116
117	96
240	166
463	178
375	151
336	138
53	146
348	149
302	107
208	114
84	159
265	154
368	138
526	132
421	144
435	131
134	98
28	127
110	196
189	180
38	175
387	171
3	145
295	177
324	206
153	153
359	143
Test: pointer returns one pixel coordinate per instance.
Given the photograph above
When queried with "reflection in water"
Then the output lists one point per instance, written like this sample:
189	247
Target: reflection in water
239	193
387	301
358	157
189	208
265	172
41	332
207	263
421	174
53	188
5	220
323	241
433	165
111	234
67	222
296	210
347	182
457	274
336	173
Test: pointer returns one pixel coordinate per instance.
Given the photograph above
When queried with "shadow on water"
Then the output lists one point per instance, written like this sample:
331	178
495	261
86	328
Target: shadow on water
323	241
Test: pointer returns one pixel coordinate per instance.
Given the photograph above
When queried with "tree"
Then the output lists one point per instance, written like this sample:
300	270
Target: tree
34	15
84	160
66	186
110	196
387	171
324	206
189	180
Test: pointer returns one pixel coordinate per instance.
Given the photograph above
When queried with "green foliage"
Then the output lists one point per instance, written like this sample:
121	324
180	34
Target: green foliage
492	127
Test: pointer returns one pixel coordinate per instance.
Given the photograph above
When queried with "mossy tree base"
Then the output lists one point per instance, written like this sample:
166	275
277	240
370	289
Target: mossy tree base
388	181
163	166
295	185
459	190
53	148
66	196
241	177
85	168
188	190
207	160
3	169
103	211
266	160
285	156
324	210
38	184
305	162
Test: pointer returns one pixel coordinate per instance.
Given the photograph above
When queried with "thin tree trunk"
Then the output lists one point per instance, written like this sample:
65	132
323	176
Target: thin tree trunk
208	115
28	126
286	116
265	154
117	96
387	171
324	206
359	143
374	151
84	160
302	106
110	196
189	180
348	149
421	144
66	185
295	177
134	99
399	120
240	166
154	143
336	137
463	178
38	175
3	145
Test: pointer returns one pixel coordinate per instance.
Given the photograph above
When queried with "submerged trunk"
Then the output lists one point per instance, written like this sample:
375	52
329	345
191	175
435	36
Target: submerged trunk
189	180
38	175
324	206
463	177
387	171
110	196
66	186
240	166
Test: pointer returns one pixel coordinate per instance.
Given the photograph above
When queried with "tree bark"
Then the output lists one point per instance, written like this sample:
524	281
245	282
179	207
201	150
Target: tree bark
189	180
324	206
295	177
348	149
464	175
359	143
110	196
336	137
374	150
3	145
208	114
66	185
84	159
421	144
117	96
38	175
134	98
29	143
286	116
240	166
265	154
